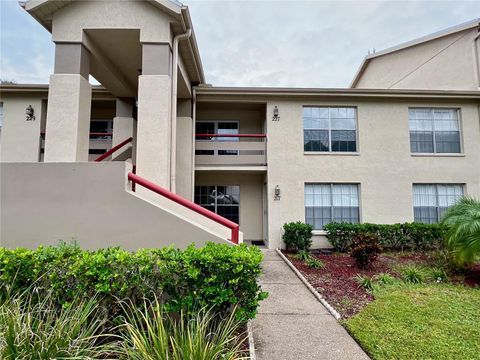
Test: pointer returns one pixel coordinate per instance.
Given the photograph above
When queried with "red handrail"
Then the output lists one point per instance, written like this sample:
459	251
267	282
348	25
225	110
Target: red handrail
135	179
233	135
112	150
91	134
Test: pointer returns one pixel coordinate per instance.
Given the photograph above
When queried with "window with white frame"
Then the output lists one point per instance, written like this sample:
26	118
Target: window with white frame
325	203
329	129
434	130
430	201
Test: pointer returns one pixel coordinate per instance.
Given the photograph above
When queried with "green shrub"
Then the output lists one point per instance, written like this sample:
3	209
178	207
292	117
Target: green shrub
314	263
443	259
364	282
297	236
385	279
32	329
463	237
413	274
303	255
151	333
365	249
416	236
438	275
216	276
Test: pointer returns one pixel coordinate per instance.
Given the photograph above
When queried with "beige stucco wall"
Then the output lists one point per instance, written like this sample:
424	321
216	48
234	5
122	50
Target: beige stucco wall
68	118
384	166
251	185
69	22
87	202
184	163
447	63
20	138
154	129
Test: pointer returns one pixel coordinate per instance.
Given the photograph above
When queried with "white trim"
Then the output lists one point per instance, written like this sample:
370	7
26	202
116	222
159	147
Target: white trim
323	153
436	35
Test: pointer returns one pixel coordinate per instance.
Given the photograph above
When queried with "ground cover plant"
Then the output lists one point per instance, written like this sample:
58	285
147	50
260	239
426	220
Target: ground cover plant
150	333
40	330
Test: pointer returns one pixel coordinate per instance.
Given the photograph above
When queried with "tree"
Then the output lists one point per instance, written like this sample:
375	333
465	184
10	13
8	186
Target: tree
463	235
7	82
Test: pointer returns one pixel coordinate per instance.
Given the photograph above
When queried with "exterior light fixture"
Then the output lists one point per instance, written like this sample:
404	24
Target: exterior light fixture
276	117
277	193
30	113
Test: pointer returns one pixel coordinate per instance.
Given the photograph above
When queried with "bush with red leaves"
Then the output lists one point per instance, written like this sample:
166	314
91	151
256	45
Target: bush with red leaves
365	249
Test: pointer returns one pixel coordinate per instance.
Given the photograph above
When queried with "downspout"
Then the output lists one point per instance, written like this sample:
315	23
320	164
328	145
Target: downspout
194	120
476	61
173	108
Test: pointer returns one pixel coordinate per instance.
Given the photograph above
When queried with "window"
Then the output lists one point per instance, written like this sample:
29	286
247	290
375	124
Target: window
223	200
216	127
329	129
326	203
100	128
430	201
434	130
1	114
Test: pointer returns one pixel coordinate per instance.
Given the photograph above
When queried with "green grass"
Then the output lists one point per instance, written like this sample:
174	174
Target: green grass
420	322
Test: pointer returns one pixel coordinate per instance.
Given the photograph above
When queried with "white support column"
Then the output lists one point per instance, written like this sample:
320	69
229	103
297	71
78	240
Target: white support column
69	106
123	124
154	119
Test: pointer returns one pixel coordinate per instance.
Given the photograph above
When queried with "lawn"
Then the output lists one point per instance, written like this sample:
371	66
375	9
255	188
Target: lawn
420	322
394	317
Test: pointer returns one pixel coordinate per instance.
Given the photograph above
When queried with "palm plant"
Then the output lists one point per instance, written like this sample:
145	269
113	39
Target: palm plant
463	235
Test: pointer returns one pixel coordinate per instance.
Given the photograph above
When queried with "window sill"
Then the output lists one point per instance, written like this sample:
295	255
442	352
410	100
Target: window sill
438	155
319	232
336	153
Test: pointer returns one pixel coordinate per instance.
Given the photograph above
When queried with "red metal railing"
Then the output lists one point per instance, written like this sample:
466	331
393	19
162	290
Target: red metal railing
235	228
233	135
112	150
91	134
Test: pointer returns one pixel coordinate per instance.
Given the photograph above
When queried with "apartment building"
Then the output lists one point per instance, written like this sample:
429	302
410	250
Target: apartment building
402	144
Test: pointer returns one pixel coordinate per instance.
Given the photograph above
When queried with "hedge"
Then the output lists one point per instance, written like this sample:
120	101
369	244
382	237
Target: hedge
216	276
416	236
297	236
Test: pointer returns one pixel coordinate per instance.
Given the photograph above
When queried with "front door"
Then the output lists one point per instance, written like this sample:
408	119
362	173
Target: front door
223	200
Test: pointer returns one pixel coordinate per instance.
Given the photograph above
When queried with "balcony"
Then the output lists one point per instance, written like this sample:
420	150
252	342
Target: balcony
230	150
99	143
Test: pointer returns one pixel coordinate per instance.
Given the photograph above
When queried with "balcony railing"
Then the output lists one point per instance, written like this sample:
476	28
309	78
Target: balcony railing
243	149
99	143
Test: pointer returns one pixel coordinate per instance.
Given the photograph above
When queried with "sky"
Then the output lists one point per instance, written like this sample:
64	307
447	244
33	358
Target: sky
262	43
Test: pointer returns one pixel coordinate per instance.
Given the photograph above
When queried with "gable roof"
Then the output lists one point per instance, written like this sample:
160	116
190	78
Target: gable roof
436	35
42	11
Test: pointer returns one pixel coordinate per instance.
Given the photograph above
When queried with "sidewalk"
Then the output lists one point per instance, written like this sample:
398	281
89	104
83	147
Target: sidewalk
292	325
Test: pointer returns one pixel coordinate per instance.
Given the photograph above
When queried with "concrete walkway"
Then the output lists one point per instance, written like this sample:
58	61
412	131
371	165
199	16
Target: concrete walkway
292	324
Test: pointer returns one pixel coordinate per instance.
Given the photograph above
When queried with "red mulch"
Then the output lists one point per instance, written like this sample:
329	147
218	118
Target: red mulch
337	284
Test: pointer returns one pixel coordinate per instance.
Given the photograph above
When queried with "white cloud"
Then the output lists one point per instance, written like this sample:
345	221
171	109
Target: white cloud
309	43
263	43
